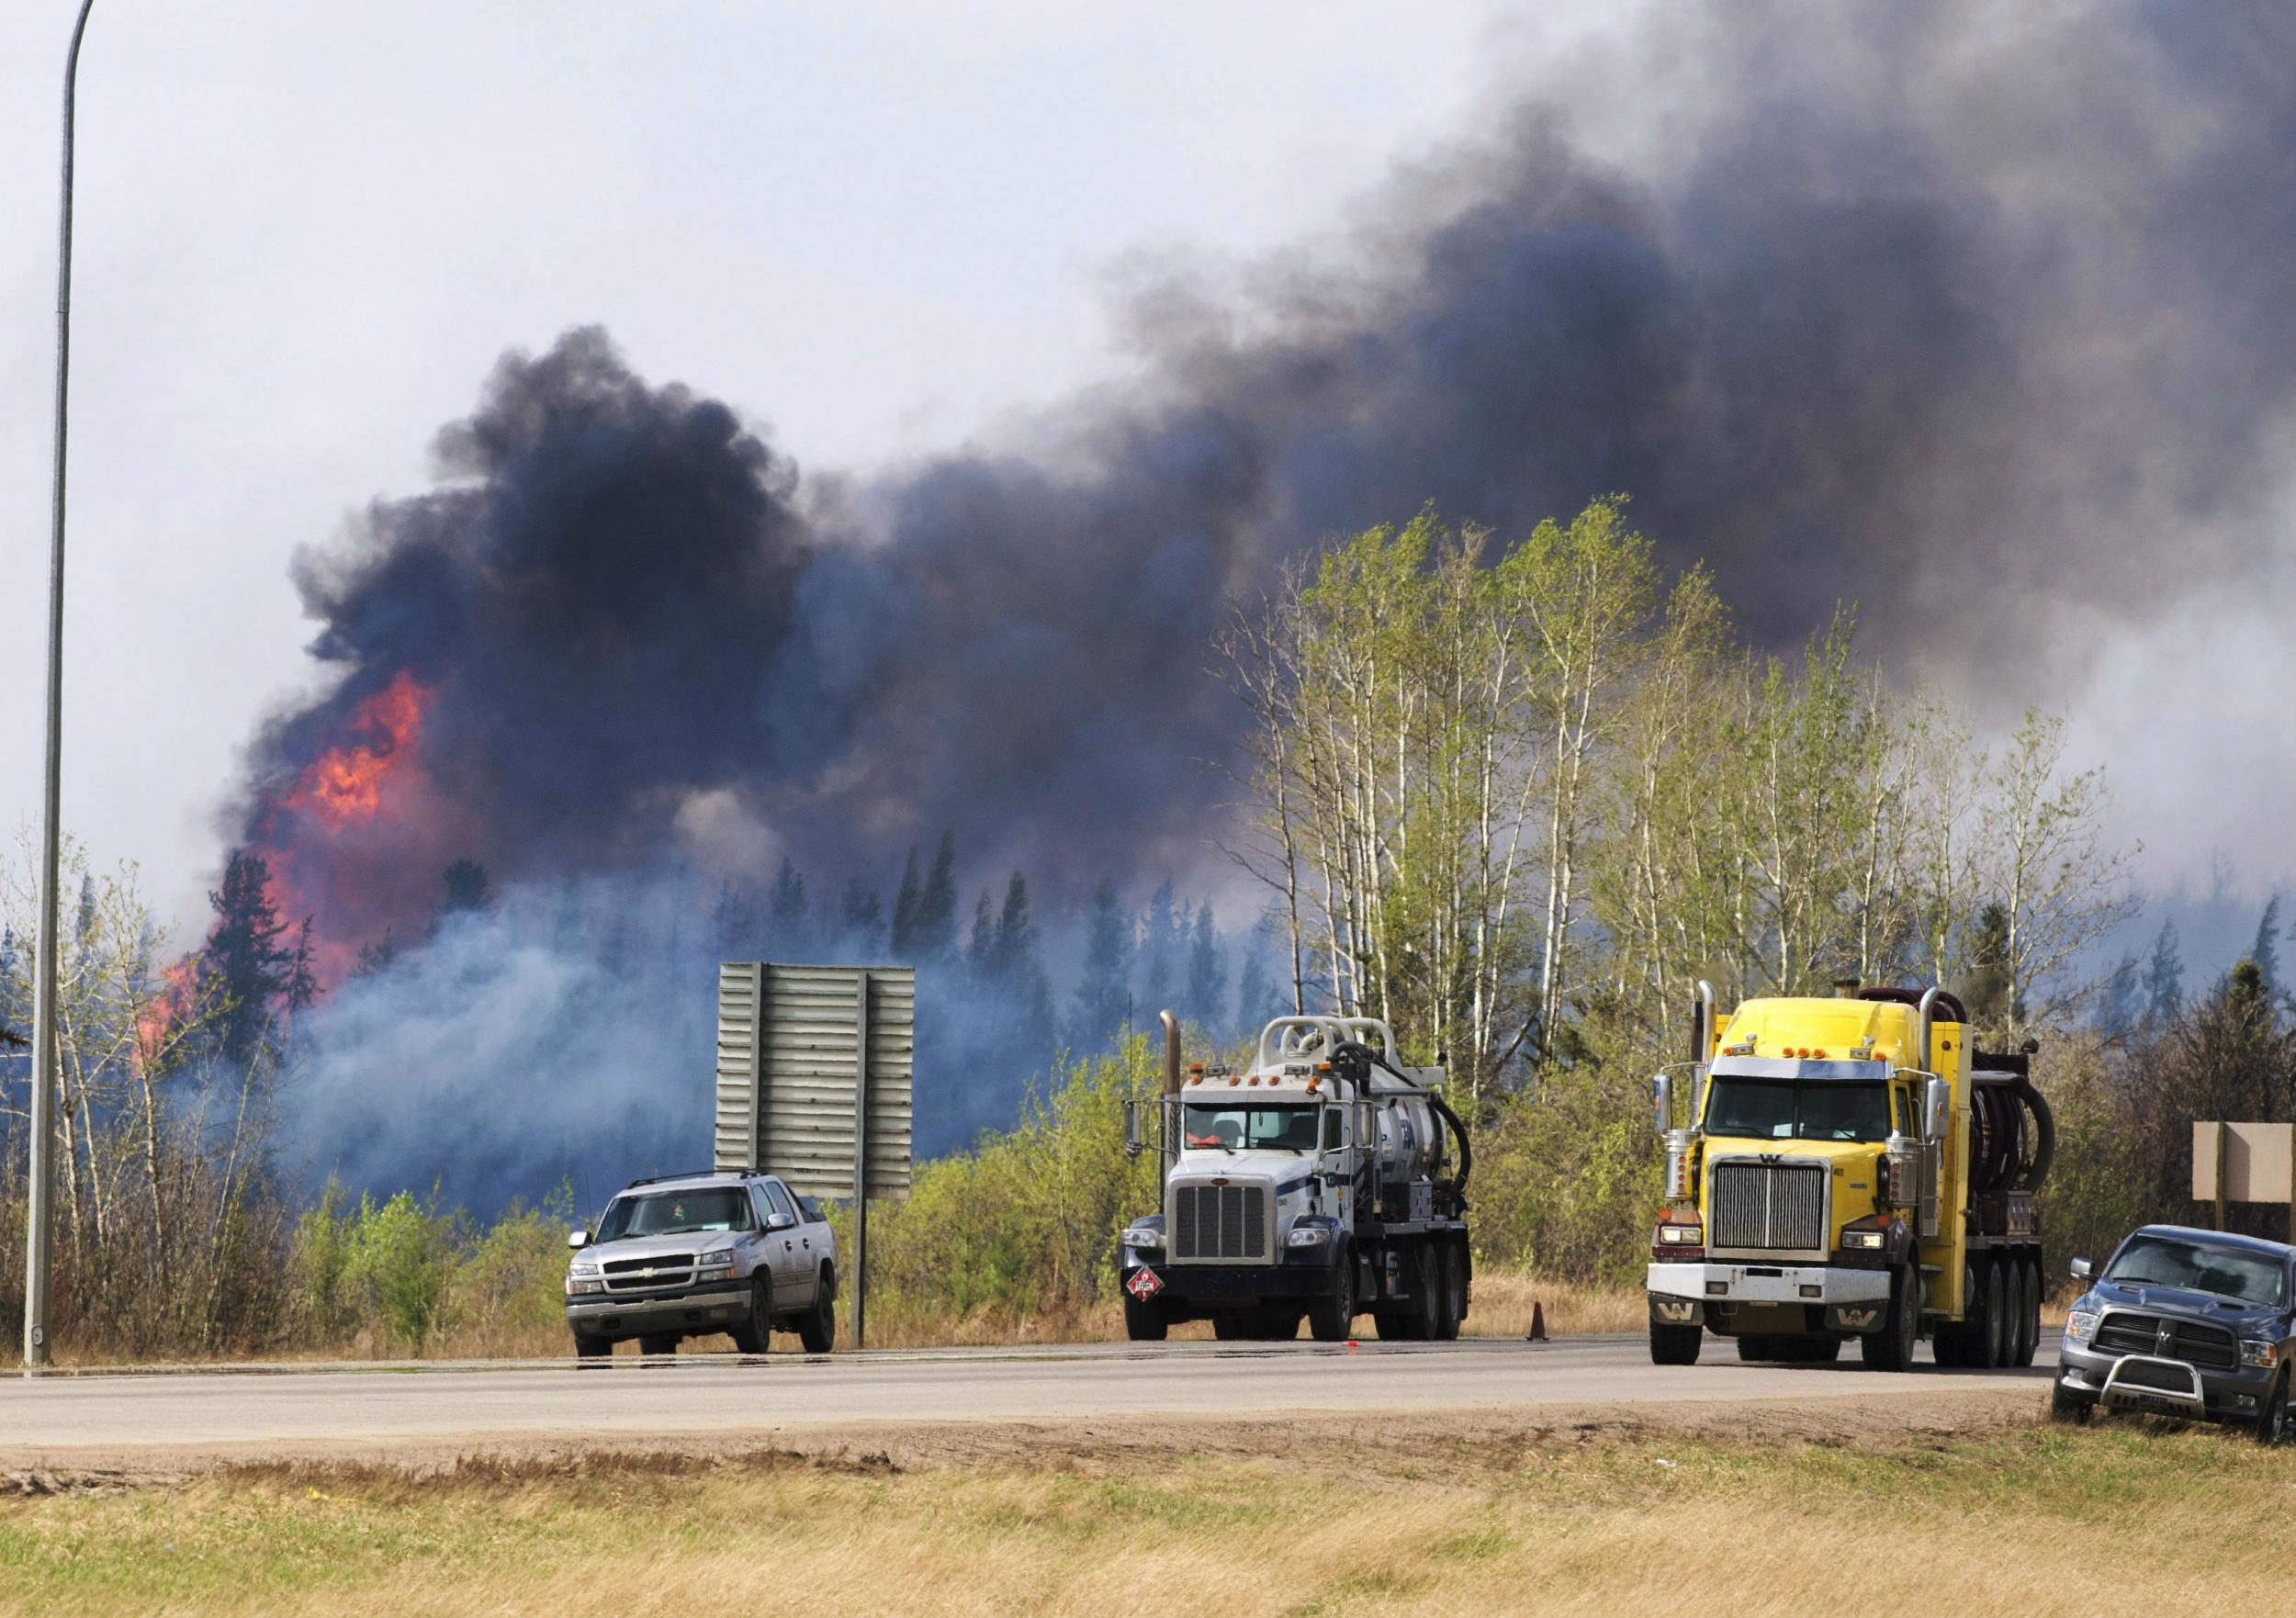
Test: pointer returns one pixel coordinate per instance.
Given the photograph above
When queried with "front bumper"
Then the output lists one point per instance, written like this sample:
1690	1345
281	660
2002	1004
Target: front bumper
1696	1294
1309	1277
2112	1380
707	1306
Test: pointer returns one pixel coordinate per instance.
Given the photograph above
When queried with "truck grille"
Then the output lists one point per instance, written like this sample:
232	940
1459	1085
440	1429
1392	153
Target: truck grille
647	1275
1219	1222
1778	1207
2212	1348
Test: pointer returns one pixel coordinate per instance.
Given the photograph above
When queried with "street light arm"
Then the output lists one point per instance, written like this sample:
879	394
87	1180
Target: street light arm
42	1165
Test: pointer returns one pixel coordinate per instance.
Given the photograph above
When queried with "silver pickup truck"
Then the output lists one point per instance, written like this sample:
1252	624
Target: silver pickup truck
688	1255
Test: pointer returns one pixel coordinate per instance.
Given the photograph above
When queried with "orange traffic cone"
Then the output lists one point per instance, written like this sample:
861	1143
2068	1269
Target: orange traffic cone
1538	1324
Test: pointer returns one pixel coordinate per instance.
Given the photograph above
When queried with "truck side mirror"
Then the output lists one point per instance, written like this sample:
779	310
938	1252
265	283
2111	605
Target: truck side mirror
2081	1268
1662	1103
1939	1106
578	1238
1133	1145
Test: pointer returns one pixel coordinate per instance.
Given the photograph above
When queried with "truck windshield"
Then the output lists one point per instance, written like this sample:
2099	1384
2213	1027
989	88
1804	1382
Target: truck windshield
2199	1266
1785	1109
1250	1129
677	1213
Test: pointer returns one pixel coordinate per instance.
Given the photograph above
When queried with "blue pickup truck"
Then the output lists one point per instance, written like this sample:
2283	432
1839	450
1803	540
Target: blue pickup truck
2183	1322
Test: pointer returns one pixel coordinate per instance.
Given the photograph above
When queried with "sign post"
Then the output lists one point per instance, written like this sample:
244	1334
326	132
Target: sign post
2244	1162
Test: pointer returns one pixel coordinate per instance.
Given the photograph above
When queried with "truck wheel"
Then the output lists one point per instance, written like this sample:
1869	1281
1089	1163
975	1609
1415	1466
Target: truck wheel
662	1344
1957	1343
1891	1348
2272	1418
1675	1345
816	1329
1818	1351
1426	1299
2029	1318
1228	1329
593	1348
1454	1294
1393	1325
753	1335
1999	1335
1761	1349
1143	1323
1331	1318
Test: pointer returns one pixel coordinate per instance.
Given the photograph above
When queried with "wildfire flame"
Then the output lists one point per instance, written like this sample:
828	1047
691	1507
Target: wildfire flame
345	783
157	1018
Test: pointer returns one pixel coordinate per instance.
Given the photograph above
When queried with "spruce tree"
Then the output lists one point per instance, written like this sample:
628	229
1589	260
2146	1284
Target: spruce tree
467	888
2266	951
1255	1005
937	905
2163	982
245	965
1103	995
1203	969
1015	934
785	914
980	951
1162	945
905	905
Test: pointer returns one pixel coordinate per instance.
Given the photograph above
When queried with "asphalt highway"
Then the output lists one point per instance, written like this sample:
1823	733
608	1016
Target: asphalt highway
53	1416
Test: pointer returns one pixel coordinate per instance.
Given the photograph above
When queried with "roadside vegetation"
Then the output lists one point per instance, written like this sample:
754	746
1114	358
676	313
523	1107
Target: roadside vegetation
2029	1518
1512	796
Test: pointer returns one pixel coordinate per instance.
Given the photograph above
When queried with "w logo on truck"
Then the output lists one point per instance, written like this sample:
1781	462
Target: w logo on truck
1678	1311
1858	1320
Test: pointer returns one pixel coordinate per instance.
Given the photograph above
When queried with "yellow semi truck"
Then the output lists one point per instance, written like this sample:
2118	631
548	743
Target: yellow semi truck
1850	1168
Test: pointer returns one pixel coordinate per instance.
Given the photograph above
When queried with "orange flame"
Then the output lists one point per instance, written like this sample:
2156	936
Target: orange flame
345	783
157	1018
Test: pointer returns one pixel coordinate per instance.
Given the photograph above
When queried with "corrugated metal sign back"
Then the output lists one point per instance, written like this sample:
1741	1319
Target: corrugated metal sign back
787	1037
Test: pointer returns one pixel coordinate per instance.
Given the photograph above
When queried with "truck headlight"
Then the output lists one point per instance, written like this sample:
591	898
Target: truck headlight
1871	1241
2260	1353
722	1259
2080	1325
1143	1236
1681	1235
577	1288
1308	1235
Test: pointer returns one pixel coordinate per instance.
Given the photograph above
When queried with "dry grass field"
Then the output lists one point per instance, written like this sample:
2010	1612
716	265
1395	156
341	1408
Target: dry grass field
2000	1514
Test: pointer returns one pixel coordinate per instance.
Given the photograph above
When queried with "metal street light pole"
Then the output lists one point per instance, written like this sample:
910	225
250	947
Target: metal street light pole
43	1146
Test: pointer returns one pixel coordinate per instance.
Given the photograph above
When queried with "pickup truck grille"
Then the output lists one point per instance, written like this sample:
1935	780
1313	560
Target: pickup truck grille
1772	1206
647	1275
1210	1222
2212	1348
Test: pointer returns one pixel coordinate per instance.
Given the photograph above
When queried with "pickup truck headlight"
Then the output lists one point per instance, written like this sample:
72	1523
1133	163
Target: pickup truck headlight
2080	1325
1143	1236
2260	1353
1871	1241
1307	1236
576	1287
722	1259
1681	1235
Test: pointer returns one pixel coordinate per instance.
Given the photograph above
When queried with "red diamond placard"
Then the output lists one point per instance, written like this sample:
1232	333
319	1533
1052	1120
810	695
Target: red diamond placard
1146	1284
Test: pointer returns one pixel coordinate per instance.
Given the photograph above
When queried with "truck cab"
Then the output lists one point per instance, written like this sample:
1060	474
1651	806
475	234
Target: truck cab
1312	1181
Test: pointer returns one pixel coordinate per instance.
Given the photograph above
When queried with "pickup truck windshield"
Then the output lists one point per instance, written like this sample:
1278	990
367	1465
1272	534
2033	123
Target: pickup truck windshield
2197	1266
1787	1109
1250	1129
677	1213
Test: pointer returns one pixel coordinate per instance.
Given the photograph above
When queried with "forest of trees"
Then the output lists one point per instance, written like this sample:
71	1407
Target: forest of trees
1513	797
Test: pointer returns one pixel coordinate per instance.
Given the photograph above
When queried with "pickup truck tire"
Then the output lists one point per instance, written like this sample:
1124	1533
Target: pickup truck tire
1675	1345
816	1327
755	1335
2273	1416
1143	1323
1891	1348
2067	1406
593	1348
663	1344
1332	1317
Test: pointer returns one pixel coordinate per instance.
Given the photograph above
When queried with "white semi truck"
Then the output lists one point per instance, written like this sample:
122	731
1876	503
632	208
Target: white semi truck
1323	1179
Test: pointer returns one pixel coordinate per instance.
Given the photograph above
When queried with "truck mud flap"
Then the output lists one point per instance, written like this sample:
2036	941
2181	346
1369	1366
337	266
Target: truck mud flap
1856	1317
1668	1310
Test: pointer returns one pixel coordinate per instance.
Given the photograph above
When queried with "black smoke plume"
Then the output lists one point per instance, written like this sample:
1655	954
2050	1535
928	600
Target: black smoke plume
1981	318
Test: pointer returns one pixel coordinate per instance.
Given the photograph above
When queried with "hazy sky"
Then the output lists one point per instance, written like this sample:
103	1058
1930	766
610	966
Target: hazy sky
306	232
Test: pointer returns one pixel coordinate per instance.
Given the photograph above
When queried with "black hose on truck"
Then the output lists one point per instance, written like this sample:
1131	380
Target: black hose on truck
1362	1059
